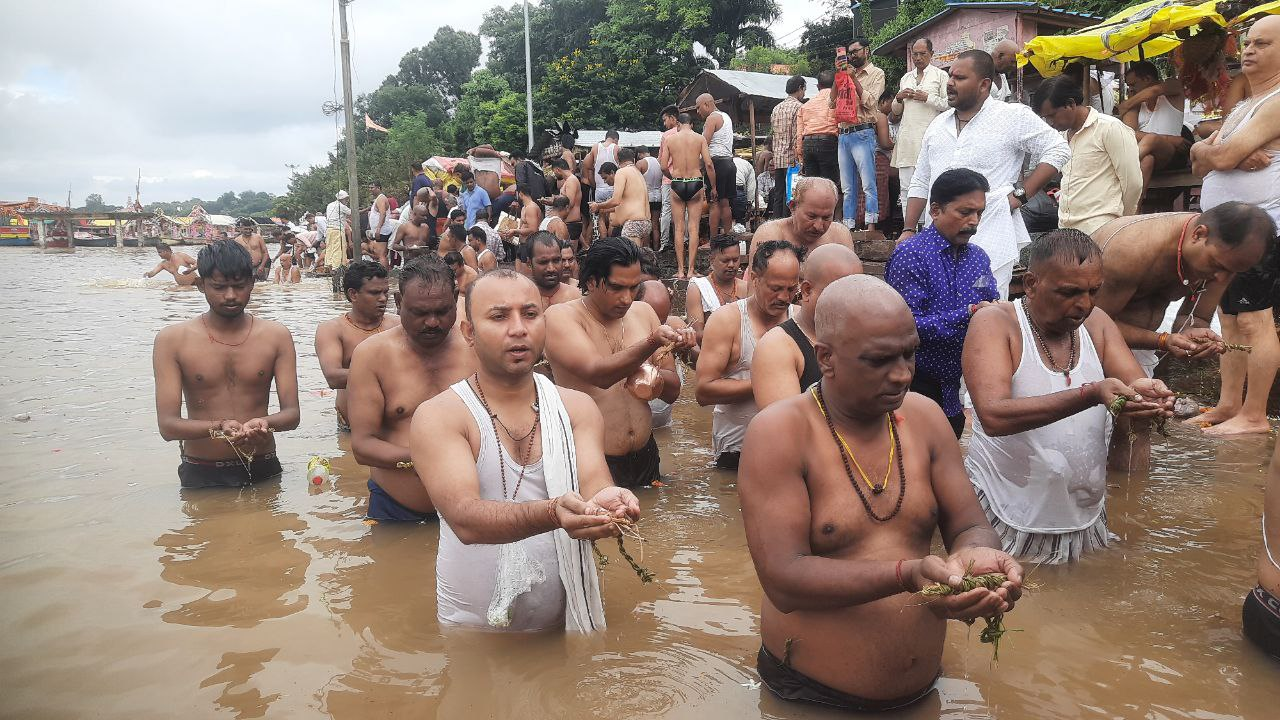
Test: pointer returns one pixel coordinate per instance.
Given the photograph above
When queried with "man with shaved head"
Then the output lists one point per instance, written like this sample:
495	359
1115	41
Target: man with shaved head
414	237
504	496
813	208
1242	162
841	555
785	363
1005	55
718	132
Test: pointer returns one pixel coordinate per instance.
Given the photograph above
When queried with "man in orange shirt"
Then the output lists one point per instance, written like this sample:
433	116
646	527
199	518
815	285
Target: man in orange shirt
816	132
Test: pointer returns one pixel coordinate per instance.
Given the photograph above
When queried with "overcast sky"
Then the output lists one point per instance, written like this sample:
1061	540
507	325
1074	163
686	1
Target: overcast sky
203	97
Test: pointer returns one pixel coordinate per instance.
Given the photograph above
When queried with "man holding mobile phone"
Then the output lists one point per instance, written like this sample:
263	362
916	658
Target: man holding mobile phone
857	148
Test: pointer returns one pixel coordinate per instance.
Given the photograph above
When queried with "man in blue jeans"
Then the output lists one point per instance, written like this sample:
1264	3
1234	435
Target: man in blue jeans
857	153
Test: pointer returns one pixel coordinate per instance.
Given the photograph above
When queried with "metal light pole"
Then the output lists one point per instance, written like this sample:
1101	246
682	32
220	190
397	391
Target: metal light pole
353	186
528	77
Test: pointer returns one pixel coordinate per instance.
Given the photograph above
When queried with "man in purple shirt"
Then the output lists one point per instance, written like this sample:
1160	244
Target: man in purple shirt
945	280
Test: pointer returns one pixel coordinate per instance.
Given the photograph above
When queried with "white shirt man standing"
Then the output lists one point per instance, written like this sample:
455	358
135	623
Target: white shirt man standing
922	94
991	138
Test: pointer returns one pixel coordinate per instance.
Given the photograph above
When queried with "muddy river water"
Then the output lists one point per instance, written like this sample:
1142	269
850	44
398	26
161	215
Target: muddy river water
124	597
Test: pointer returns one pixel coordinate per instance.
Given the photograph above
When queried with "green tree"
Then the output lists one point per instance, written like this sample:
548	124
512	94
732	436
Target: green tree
444	64
311	190
390	100
735	25
489	111
93	203
647	46
411	139
763	59
820	38
556	28
225	204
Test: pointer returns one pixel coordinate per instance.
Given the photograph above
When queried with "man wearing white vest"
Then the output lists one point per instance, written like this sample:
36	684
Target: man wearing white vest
518	505
1042	373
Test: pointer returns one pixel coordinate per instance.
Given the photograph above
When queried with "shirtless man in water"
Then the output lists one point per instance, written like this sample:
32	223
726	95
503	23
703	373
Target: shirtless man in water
454	239
413	238
628	207
841	624
571	188
366	286
683	158
478	241
785	363
1149	261
813	208
545	269
596	343
557	209
395	372
250	239
178	264
223	364
464	273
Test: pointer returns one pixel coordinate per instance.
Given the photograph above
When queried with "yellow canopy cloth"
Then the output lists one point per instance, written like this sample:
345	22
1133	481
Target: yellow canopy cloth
1271	8
1149	26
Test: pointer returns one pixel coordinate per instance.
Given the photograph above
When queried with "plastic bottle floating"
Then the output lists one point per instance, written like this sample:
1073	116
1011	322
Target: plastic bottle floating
318	470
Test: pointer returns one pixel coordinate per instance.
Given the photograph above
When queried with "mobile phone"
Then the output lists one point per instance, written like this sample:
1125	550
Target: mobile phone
842	56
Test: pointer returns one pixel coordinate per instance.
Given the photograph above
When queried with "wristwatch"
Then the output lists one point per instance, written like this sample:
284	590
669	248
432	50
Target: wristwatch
1020	192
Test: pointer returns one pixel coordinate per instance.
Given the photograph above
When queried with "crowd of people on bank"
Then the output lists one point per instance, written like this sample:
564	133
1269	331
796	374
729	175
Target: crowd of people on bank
514	394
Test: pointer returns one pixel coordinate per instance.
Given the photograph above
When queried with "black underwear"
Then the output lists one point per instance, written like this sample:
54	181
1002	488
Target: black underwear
635	469
197	473
575	230
686	188
1252	290
788	684
729	460
1261	618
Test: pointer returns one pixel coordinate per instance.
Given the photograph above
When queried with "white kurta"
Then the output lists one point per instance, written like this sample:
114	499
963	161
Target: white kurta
917	114
993	143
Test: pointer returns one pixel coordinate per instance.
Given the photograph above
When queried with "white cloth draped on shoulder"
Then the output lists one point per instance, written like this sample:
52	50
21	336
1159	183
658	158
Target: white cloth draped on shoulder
509	586
584	610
